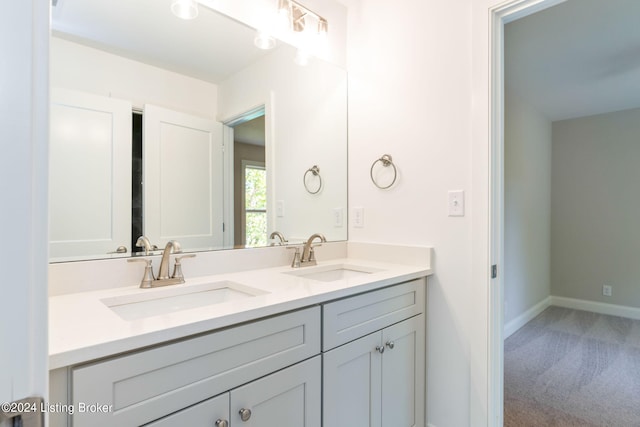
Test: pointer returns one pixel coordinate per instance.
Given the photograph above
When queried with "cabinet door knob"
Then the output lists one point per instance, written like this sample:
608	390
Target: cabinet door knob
245	414
390	344
380	349
222	423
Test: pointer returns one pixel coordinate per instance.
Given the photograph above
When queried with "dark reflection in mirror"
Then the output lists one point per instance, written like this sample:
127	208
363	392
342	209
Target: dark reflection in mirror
136	181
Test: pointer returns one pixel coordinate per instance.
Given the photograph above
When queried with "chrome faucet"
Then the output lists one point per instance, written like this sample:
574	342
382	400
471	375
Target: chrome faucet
143	242
308	255
172	245
280	236
163	279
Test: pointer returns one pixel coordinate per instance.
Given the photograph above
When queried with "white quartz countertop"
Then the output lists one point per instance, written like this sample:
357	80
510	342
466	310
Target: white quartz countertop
83	328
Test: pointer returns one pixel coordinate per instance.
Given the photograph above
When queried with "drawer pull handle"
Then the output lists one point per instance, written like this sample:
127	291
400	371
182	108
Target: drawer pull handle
390	344
245	414
380	349
222	423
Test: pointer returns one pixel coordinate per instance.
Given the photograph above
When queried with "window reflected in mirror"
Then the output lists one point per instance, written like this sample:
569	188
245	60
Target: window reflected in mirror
250	183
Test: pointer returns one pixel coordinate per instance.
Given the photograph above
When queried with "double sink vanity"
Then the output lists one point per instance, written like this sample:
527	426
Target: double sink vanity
341	343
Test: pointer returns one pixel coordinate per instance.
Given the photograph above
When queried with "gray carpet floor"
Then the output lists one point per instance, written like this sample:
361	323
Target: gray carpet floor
573	368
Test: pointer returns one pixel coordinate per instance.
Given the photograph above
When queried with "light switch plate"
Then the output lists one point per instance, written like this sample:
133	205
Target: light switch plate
280	208
456	203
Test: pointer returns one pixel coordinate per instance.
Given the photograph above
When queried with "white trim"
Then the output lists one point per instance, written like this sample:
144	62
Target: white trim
526	317
24	167
227	191
270	159
496	218
574	303
596	307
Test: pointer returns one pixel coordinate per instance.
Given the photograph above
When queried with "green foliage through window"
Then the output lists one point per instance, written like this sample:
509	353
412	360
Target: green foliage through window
255	183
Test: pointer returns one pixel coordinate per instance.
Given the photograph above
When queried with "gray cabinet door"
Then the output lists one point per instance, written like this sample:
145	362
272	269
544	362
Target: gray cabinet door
288	398
377	380
351	384
403	367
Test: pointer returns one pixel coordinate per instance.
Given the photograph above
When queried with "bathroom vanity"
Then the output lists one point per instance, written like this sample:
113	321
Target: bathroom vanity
338	344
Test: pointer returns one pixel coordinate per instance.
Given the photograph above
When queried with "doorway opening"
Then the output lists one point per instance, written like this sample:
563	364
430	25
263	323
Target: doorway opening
249	189
509	308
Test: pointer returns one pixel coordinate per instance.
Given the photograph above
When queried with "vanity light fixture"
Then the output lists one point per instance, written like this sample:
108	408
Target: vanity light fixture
309	27
185	9
296	17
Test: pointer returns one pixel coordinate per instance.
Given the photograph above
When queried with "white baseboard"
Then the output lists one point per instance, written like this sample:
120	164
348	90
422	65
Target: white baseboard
524	318
597	307
577	304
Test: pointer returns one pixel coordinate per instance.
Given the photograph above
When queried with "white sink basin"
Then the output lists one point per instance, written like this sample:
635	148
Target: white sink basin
332	273
154	302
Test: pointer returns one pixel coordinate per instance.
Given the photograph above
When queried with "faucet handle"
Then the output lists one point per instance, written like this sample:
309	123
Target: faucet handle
312	254
296	256
177	267
147	278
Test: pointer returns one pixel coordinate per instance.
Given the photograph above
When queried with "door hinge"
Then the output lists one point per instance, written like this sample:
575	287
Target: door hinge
494	271
27	412
223	227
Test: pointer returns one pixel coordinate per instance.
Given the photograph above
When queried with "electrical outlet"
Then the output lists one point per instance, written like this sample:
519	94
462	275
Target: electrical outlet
337	217
358	217
606	290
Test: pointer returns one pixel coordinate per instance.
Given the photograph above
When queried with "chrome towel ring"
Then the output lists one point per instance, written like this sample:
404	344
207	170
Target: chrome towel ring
315	171
386	161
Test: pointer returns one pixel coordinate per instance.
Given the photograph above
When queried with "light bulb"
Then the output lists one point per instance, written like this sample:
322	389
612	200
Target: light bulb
264	40
283	20
185	9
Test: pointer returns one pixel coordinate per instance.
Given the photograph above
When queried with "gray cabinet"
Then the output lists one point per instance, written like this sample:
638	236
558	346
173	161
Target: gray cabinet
287	398
270	372
146	385
377	380
352	384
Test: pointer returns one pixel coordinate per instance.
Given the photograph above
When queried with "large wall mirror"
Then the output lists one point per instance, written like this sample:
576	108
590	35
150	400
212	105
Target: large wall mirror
184	130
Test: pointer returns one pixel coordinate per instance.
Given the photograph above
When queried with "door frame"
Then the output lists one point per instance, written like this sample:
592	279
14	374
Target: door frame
499	16
24	132
265	108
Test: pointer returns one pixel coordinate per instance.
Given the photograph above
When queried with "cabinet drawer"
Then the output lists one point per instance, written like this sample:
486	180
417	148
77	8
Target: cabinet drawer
147	385
353	317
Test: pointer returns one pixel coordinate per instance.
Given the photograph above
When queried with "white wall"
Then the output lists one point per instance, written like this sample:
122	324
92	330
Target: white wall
596	208
527	198
306	125
409	65
78	67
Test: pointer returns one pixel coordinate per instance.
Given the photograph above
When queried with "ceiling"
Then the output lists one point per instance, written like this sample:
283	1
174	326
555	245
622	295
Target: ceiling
250	132
579	58
210	47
